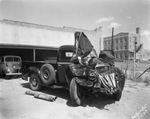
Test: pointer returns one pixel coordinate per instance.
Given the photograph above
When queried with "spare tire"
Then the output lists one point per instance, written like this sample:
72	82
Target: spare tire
47	73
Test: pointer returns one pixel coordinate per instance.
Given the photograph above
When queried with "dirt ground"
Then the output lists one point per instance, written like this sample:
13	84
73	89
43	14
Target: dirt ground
15	104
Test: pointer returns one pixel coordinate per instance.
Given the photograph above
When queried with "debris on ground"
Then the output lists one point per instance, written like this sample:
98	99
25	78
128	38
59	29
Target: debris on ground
41	96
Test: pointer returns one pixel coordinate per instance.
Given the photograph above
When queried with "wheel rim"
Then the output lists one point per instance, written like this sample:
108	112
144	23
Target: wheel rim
46	74
34	81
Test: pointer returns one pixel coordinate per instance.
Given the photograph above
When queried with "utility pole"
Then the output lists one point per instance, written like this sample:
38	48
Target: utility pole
112	42
134	60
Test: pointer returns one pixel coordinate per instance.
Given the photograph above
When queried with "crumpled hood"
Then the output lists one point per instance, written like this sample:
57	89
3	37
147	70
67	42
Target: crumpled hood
82	44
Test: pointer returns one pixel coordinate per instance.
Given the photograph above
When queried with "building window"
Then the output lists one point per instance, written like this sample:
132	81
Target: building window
117	47
125	42
121	47
125	47
109	45
116	55
104	43
126	39
121	40
126	55
120	55
117	41
121	43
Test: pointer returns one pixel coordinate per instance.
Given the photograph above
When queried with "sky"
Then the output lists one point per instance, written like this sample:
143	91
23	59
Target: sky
123	15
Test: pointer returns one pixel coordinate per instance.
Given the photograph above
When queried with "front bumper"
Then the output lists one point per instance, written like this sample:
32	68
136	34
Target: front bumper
96	87
13	74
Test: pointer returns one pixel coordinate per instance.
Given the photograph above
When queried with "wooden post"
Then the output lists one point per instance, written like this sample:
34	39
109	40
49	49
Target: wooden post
33	55
112	42
134	60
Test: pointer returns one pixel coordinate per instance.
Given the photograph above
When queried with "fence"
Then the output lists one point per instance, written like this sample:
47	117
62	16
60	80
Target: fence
140	67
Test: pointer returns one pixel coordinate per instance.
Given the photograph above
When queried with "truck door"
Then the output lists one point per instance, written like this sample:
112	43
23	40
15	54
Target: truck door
62	68
63	62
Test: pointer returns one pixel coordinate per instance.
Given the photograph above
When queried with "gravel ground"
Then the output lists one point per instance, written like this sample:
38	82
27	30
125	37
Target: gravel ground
15	104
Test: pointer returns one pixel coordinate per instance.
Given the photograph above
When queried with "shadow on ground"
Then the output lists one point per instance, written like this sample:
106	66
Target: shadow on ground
9	77
99	102
92	101
58	92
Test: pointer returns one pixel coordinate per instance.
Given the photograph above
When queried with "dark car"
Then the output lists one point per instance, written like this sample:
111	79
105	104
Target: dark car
10	65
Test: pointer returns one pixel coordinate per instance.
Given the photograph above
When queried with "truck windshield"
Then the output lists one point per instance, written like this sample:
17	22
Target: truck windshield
9	59
66	55
16	59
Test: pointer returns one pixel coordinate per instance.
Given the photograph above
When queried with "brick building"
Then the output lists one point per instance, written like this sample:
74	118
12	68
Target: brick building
124	44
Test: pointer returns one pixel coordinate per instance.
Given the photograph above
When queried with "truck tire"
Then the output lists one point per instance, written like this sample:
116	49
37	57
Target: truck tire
76	95
47	74
117	96
121	77
35	82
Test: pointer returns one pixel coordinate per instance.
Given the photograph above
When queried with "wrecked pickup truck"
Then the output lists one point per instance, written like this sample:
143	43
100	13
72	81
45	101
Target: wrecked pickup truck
80	70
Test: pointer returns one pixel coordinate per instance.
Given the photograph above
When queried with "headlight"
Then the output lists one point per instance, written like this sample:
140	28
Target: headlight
8	70
79	72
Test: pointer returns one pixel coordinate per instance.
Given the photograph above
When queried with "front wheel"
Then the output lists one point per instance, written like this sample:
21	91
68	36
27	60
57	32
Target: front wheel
35	82
76	94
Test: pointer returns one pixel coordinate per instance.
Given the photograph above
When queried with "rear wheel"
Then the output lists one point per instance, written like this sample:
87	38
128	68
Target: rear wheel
76	94
35	82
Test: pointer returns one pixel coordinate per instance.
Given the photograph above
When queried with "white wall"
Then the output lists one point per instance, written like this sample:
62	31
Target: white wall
12	34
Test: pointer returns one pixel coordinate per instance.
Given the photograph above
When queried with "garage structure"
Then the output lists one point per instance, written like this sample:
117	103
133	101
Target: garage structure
16	34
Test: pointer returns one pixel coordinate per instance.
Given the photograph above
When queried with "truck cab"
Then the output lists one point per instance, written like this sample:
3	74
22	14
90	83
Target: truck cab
52	71
65	53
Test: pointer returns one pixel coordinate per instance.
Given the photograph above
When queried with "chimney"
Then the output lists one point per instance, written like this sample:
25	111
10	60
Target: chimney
138	30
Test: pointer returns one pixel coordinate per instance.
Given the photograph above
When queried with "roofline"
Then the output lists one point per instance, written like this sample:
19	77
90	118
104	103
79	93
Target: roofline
40	26
19	46
11	56
127	33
